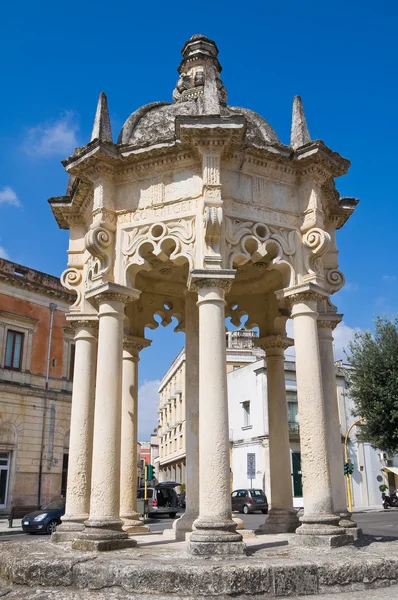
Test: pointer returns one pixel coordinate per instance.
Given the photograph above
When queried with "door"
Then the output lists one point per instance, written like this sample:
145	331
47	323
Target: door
297	477
4	477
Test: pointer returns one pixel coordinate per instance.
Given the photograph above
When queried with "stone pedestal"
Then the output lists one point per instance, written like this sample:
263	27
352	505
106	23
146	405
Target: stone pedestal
215	532
184	524
103	529
81	433
282	516
319	521
128	457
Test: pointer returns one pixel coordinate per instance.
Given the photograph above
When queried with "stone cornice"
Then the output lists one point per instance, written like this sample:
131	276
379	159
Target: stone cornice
17	318
23	388
316	159
23	277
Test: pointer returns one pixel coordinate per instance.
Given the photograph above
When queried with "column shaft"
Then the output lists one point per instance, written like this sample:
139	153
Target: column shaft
215	530
128	456
319	522
184	523
334	441
81	433
103	529
282	516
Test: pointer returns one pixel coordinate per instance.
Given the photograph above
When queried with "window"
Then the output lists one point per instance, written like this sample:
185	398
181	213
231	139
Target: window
14	346
72	361
246	413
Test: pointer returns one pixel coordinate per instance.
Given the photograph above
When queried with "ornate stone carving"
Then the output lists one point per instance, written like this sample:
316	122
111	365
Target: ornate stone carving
317	241
335	279
213	216
273	343
71	279
135	344
247	241
328	323
99	243
172	241
206	278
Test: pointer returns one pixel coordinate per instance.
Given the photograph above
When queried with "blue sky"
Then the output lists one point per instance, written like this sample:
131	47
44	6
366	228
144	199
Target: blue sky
341	57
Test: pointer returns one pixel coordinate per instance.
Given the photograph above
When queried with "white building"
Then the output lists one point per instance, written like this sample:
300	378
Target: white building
248	418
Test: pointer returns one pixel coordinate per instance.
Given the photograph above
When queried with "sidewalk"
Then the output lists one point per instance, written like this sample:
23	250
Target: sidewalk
16	527
363	509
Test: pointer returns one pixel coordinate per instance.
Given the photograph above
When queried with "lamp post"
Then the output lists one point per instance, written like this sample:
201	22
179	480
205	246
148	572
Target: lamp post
348	474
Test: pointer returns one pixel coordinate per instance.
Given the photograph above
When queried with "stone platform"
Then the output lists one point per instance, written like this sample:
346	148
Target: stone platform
159	569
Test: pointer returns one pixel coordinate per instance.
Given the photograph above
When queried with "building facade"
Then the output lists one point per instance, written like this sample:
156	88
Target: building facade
171	463
36	372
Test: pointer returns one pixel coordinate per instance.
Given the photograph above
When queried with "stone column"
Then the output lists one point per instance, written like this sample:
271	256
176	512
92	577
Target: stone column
319	523
81	432
326	324
103	529
128	458
184	524
215	530
282	516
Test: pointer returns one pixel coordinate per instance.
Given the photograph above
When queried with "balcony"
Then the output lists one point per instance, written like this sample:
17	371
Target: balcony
294	428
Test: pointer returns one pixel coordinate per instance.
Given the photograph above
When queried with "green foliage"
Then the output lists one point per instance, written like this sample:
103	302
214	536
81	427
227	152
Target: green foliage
383	487
374	383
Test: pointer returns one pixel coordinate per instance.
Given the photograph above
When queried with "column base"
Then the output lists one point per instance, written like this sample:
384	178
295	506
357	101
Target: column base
321	530
215	538
280	521
133	524
102	535
68	530
183	525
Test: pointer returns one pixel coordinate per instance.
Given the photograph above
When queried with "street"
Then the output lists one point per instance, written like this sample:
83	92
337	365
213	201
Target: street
383	523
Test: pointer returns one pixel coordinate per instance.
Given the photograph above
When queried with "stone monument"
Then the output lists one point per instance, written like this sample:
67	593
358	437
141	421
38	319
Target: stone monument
199	212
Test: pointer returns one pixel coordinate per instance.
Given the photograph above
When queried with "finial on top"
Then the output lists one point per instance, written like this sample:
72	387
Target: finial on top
299	134
200	76
102	123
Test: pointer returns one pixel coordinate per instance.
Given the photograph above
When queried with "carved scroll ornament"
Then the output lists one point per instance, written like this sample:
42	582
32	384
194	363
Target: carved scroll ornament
317	241
99	243
71	279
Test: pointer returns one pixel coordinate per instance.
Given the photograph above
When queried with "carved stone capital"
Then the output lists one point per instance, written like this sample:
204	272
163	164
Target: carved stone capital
328	321
274	344
112	292
211	278
134	344
308	292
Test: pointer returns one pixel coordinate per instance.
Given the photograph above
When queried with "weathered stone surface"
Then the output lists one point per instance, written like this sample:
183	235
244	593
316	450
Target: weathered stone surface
167	571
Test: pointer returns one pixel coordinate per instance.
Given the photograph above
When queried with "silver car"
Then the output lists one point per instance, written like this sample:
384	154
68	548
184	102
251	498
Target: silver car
162	500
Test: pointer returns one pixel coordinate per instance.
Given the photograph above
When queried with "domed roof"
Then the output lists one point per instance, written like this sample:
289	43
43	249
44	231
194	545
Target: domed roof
199	91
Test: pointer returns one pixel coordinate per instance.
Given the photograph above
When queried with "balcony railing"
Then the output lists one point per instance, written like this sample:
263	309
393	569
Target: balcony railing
294	428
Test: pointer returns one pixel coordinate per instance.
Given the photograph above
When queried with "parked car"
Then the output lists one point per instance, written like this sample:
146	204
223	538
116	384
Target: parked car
162	499
248	501
45	520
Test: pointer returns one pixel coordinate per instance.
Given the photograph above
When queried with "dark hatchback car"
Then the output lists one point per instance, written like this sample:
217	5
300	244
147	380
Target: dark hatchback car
45	520
248	501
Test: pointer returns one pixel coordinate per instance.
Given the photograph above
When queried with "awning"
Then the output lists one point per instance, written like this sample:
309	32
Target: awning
392	470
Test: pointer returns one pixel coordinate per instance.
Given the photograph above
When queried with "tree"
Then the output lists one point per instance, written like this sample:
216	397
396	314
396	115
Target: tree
374	383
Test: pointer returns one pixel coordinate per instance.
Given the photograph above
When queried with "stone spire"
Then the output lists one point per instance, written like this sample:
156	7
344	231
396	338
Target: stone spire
102	124
200	75
299	134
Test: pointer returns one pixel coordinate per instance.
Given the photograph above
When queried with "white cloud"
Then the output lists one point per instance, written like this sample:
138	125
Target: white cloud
53	138
4	253
148	402
390	277
8	196
342	335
